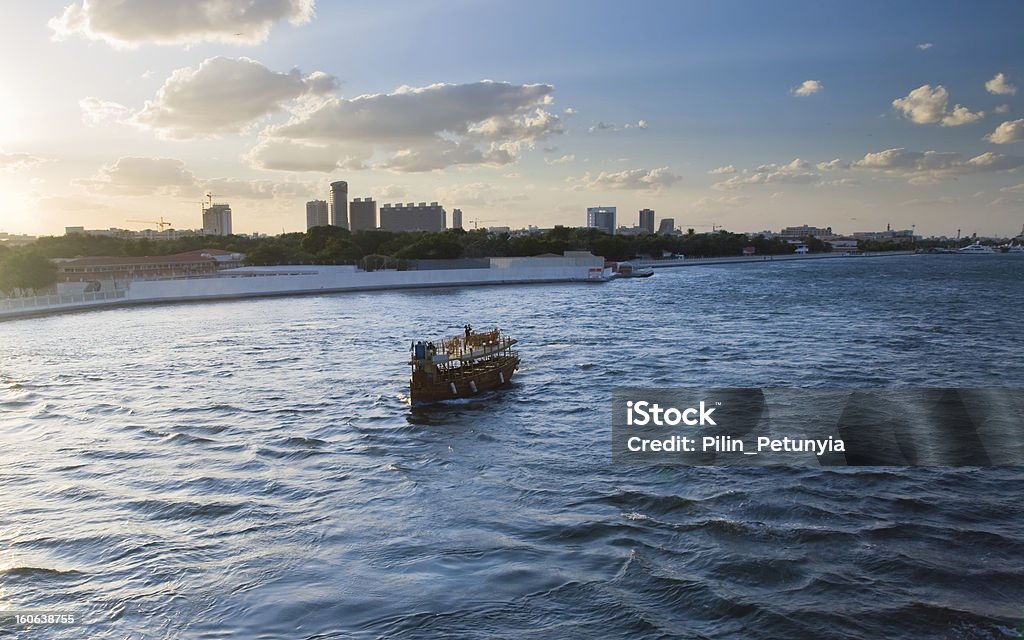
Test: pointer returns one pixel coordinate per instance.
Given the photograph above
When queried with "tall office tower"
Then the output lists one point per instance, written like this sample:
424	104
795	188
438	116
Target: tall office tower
412	217
647	220
217	220
602	218
339	204
316	214
667	226
363	214
456	218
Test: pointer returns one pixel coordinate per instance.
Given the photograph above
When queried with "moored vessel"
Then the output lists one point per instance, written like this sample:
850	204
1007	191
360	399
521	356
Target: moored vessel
976	248
461	366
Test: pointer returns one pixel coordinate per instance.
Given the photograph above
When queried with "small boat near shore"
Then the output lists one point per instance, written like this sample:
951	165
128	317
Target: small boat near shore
461	366
627	270
976	248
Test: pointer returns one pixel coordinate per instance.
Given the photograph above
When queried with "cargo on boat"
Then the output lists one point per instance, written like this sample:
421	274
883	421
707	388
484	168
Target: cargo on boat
461	366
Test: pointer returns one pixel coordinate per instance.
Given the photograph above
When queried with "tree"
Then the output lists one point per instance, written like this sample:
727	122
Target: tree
26	271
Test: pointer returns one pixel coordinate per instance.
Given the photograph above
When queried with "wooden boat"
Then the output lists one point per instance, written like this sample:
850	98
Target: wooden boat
462	366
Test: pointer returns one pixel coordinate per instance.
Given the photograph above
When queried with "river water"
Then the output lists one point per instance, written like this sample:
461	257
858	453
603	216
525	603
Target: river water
252	468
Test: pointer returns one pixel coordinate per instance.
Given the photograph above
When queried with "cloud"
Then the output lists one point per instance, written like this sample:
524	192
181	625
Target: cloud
999	85
127	23
721	171
413	129
223	95
476	194
653	180
1003	108
1017	188
796	172
18	161
808	88
1007	132
390	191
169	177
931	167
96	112
135	176
562	160
833	165
708	203
925	105
604	126
924	46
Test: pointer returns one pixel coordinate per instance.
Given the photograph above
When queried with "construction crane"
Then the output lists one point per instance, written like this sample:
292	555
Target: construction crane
211	196
476	223
161	223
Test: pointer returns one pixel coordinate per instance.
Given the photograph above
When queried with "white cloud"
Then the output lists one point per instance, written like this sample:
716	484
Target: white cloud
135	176
721	171
169	177
932	167
796	172
475	194
631	179
1017	188
131	22
708	203
1000	85
413	129
223	95
808	88
96	112
604	126
1007	132
1003	108
390	191
925	105
562	160
924	46
18	161
833	165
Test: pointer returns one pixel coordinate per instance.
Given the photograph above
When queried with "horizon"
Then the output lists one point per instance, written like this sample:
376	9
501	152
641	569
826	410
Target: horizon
712	114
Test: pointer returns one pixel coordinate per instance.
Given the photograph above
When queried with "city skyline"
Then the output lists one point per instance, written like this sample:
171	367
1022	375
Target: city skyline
734	115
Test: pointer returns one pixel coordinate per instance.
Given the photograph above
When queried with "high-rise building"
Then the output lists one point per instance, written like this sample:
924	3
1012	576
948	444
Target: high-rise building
647	220
316	214
217	220
602	218
339	204
456	218
412	217
363	214
667	226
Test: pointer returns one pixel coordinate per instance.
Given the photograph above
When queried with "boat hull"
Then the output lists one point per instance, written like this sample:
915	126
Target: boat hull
426	389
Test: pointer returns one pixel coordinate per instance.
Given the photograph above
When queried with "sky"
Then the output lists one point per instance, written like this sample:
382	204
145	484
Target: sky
750	116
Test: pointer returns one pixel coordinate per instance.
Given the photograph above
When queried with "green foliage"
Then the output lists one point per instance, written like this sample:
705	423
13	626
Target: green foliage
332	245
26	271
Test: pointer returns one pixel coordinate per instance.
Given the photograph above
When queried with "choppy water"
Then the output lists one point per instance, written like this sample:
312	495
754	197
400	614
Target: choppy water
252	469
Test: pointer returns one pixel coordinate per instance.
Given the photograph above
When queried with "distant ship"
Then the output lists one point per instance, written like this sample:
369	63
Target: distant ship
1015	248
976	248
462	366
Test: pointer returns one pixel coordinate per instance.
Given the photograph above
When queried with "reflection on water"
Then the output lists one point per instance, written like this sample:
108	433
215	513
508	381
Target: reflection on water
253	467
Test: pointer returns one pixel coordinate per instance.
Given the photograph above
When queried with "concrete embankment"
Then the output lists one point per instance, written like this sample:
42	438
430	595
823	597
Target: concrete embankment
763	260
255	282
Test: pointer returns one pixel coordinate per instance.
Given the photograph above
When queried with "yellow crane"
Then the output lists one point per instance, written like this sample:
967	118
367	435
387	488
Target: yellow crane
476	223
161	223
